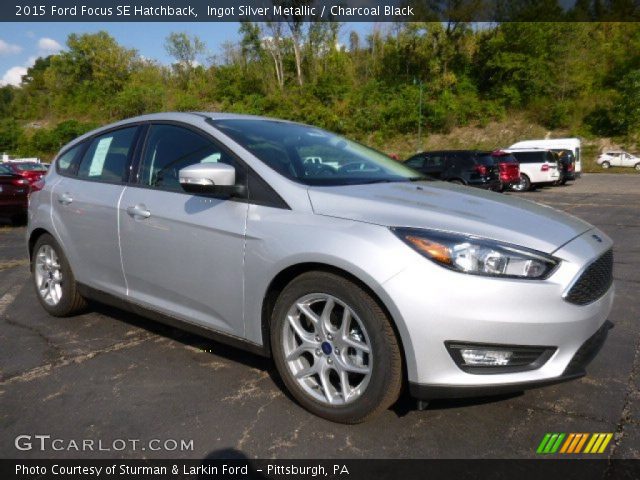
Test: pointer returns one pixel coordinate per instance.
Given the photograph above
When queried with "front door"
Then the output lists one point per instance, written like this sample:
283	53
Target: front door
183	254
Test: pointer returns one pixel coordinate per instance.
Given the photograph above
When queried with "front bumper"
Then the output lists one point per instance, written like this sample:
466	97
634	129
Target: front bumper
576	369
437	306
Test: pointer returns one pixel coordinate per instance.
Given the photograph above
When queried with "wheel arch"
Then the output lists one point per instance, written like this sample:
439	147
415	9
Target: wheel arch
288	274
33	238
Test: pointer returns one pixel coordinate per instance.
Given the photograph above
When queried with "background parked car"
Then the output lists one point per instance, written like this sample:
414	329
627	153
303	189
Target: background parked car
465	167
509	168
567	165
537	168
618	158
14	195
32	171
571	144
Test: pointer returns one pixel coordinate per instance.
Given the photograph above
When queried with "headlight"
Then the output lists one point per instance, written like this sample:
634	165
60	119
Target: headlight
477	256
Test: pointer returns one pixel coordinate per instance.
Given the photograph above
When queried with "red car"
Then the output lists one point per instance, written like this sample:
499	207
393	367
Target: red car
32	171
14	195
508	167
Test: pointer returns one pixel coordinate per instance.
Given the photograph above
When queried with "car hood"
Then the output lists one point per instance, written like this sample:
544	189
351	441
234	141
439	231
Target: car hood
444	206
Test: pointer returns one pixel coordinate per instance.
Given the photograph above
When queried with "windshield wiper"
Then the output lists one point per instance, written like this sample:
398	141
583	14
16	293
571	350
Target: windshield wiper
377	180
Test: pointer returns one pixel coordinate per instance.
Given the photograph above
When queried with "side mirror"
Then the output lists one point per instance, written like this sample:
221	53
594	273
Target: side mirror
210	178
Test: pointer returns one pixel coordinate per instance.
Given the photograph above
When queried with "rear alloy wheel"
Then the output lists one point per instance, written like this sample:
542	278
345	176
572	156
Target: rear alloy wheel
605	165
524	184
335	348
53	280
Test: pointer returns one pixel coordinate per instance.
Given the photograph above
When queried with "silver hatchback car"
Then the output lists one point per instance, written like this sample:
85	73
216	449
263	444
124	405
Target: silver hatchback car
355	273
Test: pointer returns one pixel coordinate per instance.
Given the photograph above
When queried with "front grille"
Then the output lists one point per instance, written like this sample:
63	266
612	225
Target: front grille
594	281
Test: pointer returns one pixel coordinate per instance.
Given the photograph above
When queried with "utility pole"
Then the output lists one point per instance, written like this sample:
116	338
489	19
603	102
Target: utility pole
419	142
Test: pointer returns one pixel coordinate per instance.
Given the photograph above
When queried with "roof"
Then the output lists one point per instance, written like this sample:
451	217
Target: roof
187	117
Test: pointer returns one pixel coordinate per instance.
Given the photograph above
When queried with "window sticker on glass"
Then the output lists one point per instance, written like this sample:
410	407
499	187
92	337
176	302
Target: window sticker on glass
97	164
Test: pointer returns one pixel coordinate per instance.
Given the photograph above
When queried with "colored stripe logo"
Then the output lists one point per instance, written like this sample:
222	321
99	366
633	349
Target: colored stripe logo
574	443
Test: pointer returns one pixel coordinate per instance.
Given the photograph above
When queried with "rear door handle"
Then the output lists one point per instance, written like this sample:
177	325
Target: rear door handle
65	198
138	211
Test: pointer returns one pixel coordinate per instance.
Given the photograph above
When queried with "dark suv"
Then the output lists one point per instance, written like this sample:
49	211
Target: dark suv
465	167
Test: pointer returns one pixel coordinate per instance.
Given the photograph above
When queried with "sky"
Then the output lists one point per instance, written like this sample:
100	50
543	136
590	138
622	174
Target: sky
22	43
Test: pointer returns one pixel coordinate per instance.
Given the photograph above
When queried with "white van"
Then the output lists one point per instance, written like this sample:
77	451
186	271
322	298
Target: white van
538	167
572	144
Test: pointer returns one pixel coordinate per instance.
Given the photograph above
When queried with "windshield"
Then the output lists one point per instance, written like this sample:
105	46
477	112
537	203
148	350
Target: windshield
313	156
4	170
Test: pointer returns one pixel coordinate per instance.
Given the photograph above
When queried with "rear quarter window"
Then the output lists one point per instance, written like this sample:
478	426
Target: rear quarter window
64	163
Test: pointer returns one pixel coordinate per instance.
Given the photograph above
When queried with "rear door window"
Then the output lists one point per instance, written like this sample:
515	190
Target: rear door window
107	157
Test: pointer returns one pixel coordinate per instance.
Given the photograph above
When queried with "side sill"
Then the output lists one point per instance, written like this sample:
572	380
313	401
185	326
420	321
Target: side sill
215	335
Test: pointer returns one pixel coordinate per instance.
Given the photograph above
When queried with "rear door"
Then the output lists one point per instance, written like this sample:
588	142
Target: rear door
85	209
183	254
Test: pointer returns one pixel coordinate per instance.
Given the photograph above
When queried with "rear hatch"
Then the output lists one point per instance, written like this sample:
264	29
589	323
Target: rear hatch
13	188
487	168
508	167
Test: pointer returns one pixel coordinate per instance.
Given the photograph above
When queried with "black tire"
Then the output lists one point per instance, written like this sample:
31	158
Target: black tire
523	186
71	302
457	182
637	167
385	382
605	165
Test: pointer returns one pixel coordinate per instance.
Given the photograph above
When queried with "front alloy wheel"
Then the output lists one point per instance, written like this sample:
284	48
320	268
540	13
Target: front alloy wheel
335	348
327	349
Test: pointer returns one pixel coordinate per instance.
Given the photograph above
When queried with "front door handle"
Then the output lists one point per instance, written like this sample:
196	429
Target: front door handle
138	211
65	198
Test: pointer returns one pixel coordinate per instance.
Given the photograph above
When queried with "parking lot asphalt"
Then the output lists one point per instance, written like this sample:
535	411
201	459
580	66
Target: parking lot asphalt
108	375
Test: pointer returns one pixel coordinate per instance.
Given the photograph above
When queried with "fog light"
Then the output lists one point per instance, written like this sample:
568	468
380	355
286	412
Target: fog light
486	358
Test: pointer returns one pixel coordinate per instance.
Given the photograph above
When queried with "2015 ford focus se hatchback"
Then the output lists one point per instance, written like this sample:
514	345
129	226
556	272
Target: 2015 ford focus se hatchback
356	274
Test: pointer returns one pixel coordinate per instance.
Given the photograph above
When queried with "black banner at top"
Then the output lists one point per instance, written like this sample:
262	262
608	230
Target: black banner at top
318	10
